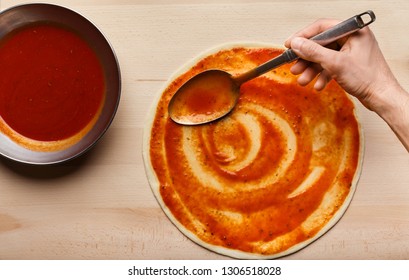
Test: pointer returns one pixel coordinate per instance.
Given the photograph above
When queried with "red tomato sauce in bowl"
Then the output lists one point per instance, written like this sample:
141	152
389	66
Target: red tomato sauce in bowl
52	86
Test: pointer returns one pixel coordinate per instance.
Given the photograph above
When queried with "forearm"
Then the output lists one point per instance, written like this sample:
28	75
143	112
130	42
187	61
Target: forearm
395	111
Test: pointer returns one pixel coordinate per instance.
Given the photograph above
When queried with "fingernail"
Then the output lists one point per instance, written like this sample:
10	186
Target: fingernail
287	41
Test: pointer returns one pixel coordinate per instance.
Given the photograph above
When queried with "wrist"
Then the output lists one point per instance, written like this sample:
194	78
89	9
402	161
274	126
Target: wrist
393	107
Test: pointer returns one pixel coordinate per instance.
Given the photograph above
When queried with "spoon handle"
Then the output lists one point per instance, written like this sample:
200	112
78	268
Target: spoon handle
324	38
339	31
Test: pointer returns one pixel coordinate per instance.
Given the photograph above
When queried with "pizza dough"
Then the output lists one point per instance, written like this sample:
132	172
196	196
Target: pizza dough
268	179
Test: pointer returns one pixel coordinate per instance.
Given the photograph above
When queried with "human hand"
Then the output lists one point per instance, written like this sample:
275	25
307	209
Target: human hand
359	66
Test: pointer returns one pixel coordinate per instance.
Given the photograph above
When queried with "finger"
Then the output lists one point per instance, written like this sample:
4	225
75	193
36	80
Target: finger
299	66
309	74
322	80
311	51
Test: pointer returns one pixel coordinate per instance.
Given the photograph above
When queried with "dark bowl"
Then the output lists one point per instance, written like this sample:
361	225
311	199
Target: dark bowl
18	16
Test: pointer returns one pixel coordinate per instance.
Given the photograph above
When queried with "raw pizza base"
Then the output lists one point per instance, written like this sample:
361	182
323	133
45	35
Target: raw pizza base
326	215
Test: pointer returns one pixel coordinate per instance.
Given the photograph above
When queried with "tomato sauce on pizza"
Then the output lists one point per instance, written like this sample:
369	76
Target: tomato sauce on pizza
271	176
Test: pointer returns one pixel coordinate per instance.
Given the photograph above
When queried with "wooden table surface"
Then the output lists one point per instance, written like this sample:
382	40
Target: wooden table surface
100	206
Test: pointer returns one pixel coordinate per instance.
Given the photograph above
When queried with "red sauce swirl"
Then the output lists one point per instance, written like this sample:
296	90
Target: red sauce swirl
268	177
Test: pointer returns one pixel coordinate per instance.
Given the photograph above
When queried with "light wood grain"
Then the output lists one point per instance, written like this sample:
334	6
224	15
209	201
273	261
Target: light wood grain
100	206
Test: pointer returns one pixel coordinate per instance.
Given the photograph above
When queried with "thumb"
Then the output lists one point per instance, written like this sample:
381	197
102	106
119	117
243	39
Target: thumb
311	51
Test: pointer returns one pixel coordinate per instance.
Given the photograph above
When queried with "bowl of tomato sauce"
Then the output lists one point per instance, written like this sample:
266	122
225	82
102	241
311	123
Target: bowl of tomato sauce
60	84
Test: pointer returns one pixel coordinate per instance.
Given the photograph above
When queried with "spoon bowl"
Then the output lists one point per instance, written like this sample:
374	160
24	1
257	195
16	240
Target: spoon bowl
209	95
